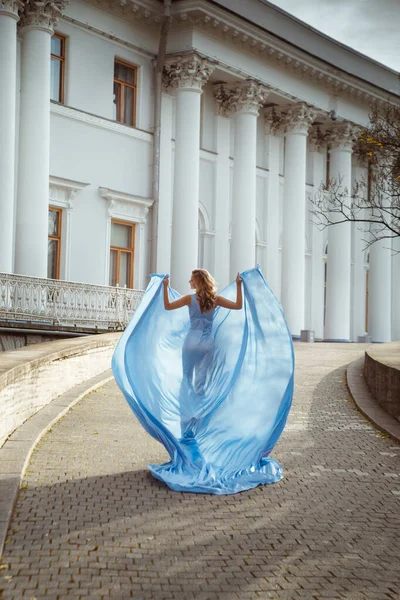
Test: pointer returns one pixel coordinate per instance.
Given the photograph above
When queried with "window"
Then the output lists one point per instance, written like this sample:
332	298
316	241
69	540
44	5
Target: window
328	168
121	253
57	68
54	243
125	77
367	293
369	183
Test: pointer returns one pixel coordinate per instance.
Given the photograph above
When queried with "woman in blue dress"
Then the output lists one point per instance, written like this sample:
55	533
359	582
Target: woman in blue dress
211	378
198	348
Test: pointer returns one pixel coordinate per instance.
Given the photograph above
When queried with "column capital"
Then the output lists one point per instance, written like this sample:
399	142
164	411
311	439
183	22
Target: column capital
299	118
10	8
186	72
42	14
342	136
296	118
244	97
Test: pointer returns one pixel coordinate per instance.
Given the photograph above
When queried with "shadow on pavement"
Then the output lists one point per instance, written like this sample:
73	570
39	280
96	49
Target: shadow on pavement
329	529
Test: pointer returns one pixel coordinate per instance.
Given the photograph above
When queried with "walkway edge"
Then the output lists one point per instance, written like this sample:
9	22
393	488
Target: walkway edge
17	450
366	403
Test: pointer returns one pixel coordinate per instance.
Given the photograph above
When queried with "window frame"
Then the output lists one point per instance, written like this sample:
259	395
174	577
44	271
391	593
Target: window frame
120	250
120	104
328	169
57	238
62	67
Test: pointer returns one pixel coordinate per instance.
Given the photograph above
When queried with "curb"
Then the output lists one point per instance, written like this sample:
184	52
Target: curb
366	403
17	450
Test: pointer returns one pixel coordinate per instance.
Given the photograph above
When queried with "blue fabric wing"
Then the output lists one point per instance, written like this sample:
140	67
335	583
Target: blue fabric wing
218	440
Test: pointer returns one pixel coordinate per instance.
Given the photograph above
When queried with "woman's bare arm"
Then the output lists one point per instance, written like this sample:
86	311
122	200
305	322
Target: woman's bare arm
184	301
225	303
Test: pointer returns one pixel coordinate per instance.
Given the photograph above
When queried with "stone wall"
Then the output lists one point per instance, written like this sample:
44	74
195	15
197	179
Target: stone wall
32	377
382	374
14	341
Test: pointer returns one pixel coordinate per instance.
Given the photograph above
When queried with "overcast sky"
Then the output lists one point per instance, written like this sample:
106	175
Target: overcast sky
369	26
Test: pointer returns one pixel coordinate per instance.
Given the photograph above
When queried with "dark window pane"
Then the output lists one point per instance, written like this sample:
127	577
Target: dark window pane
53	222
113	267
52	259
124	269
56	46
55	81
117	101
121	235
129	97
124	73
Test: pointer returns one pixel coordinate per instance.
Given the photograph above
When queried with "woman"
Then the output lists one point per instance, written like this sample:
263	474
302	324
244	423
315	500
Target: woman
199	343
213	384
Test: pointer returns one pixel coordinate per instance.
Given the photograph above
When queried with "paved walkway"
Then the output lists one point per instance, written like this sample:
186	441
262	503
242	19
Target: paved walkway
91	522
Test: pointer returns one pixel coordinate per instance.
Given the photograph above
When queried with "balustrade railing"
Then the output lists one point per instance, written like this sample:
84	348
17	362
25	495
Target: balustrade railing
52	302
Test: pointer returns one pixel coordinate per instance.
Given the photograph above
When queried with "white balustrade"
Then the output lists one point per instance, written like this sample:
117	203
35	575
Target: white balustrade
50	303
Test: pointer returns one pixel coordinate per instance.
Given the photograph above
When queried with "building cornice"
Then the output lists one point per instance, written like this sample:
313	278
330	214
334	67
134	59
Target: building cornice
146	11
218	22
104	34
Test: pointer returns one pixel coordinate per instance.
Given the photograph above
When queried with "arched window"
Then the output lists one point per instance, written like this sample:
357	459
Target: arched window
366	291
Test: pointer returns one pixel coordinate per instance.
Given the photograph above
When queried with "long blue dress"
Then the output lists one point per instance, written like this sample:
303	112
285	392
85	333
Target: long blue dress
214	388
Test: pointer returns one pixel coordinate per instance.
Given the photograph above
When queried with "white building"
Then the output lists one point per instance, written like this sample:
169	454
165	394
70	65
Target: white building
78	175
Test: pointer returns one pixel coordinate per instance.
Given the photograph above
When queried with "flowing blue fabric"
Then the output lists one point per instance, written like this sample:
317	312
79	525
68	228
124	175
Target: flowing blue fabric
214	388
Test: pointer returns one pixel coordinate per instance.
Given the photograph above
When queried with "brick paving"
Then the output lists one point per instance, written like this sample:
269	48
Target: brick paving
90	522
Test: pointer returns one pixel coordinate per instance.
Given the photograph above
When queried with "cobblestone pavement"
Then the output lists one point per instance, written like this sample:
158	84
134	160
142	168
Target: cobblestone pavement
91	522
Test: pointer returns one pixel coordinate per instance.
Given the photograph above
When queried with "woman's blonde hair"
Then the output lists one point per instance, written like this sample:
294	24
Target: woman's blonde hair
205	289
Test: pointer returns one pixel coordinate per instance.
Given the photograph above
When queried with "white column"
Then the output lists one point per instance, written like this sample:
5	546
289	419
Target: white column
188	75
380	292
8	70
221	248
163	252
298	120
358	253
317	157
272	224
243	101
338	286
34	143
396	289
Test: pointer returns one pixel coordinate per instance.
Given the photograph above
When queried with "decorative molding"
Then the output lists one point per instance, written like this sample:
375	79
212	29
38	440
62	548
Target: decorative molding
296	118
299	118
42	14
63	191
342	136
207	155
126	206
10	8
186	72
103	34
100	122
242	97
147	12
249	37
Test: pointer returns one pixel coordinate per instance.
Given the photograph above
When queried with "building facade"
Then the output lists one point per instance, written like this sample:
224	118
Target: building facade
256	111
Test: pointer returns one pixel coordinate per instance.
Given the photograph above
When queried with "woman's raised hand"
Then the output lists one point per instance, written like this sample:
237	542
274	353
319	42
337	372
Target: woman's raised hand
166	281
238	279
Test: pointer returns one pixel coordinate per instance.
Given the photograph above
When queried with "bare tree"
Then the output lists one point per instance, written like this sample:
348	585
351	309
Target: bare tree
374	201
